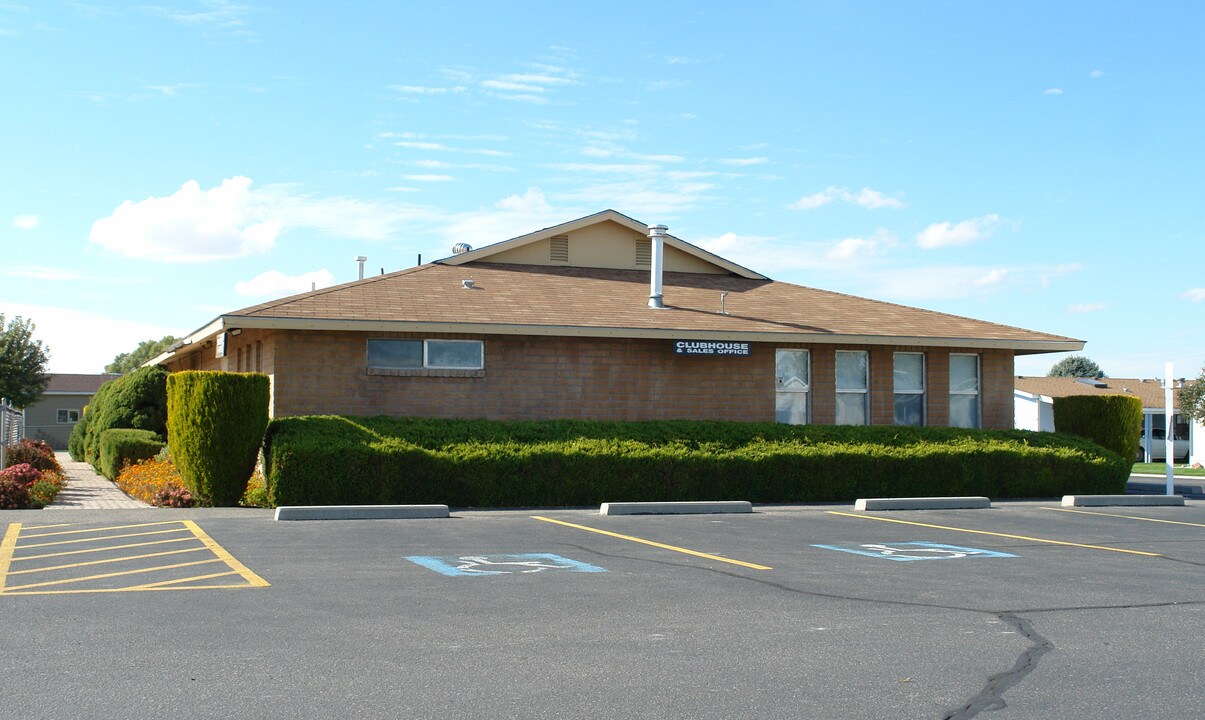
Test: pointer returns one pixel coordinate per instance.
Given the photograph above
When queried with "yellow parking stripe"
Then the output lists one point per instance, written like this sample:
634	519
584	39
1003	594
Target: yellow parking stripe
995	534
253	579
663	546
105	562
106	548
105	537
7	546
94	530
1127	517
112	574
178	581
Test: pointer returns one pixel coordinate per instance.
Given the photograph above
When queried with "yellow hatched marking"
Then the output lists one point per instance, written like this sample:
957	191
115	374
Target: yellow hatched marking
102	549
7	546
98	529
1127	517
165	583
45	527
136	588
113	574
663	546
106	537
996	534
251	578
104	562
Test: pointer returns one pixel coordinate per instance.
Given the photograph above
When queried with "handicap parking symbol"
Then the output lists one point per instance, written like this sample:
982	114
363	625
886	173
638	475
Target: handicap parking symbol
906	551
521	564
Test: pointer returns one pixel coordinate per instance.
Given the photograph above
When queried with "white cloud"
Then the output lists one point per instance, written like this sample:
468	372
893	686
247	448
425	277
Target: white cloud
1082	308
1096	74
850	248
605	168
428	178
82	342
1195	295
26	222
38	272
274	283
232	221
744	162
427	90
428	145
1053	91
866	197
218	16
968	231
992	277
511	217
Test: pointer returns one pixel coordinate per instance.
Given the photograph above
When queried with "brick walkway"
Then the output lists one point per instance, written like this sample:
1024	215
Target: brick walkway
86	490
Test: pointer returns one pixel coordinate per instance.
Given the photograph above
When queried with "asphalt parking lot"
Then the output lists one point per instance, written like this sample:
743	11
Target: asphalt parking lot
1024	610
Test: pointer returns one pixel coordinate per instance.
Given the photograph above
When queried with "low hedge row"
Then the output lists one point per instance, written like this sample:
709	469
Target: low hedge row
122	446
319	460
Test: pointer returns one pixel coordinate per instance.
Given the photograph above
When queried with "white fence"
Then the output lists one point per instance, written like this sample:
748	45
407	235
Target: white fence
12	427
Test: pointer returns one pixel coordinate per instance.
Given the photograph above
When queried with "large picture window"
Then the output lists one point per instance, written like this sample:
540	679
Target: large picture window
964	391
792	381
426	354
853	387
908	372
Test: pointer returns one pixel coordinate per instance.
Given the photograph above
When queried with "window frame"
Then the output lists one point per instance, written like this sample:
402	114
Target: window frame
864	391
922	392
794	391
977	393
425	360
58	413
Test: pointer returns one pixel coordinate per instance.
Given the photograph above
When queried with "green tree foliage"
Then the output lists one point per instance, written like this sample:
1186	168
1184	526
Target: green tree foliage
22	362
1192	398
1112	421
1076	366
216	423
137	400
147	349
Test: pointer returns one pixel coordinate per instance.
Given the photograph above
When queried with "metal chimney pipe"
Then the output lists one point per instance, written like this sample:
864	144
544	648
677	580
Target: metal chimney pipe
361	260
657	237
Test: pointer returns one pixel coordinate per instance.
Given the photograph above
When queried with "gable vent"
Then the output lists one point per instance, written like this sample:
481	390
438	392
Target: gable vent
558	249
644	252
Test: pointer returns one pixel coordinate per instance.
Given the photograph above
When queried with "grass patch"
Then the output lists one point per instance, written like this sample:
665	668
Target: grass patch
1161	469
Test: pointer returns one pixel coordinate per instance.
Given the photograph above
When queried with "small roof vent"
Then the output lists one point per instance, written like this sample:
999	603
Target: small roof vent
461	248
558	249
467	284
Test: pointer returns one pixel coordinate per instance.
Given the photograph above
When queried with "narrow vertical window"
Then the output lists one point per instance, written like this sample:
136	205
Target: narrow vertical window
964	391
259	356
792	380
853	387
908	372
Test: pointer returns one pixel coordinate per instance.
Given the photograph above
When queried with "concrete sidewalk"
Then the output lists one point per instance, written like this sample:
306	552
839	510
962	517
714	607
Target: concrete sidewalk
86	490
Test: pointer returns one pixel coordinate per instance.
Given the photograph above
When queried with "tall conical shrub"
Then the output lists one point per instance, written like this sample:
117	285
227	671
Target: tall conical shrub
215	424
1112	421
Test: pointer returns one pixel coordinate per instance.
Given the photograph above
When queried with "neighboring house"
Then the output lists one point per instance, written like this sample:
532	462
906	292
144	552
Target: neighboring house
61	406
560	323
1034	399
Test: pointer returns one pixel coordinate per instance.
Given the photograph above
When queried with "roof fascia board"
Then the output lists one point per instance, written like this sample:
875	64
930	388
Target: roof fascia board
206	331
1023	346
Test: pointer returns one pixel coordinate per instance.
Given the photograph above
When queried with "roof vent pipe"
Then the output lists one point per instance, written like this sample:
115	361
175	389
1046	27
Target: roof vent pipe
361	260
657	237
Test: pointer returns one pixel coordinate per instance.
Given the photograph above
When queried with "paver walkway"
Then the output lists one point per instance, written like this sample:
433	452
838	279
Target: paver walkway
86	490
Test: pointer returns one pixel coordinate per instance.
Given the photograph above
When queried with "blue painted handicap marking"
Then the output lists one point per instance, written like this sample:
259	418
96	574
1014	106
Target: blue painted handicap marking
917	551
470	565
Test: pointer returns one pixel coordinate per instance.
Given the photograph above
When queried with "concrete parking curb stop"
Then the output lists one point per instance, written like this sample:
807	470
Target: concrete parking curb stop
922	503
360	512
675	508
1131	500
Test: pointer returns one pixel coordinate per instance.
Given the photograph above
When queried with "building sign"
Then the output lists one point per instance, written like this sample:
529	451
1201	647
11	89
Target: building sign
702	347
221	345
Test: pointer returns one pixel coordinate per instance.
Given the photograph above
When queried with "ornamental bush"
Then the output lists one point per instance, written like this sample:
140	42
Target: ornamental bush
137	400
122	446
76	442
13	495
25	474
320	460
32	452
1112	421
216	422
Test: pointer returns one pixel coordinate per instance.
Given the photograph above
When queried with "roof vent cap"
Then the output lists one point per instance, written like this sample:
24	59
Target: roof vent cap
461	248
467	284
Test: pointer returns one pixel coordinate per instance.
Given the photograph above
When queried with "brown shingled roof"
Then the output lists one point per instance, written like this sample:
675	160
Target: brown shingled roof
77	384
1149	391
509	298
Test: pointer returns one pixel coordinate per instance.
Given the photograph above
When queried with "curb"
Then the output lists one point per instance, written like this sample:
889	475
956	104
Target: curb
1131	500
675	508
923	503
360	512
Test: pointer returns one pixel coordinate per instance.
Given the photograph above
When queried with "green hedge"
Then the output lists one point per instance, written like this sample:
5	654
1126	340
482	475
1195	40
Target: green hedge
321	460
122	446
216	422
1112	421
137	400
75	443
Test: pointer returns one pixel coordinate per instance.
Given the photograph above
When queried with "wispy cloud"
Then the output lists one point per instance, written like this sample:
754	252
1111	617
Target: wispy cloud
26	222
37	272
1084	308
1194	294
428	178
1053	91
172	89
213	17
427	90
274	283
946	234
510	217
866	197
418	141
1096	74
534	87
745	161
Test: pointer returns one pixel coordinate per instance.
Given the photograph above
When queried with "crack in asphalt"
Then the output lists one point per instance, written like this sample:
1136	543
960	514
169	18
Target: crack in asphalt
991	697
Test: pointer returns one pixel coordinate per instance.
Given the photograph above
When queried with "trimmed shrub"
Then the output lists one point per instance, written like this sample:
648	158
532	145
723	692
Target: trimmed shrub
13	495
24	473
44	491
321	460
32	452
1112	421
122	446
137	401
78	438
216	422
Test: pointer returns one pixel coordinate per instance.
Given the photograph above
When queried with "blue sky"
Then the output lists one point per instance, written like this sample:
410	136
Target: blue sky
1029	163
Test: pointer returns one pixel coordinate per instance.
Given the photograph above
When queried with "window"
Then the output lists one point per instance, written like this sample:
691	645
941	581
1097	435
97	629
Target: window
68	416
964	391
426	354
791	384
259	356
908	372
853	387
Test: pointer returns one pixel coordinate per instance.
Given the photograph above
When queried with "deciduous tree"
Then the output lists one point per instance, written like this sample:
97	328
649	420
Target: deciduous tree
146	350
22	362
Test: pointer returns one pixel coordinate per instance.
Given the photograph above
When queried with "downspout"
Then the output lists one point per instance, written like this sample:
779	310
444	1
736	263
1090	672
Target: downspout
657	237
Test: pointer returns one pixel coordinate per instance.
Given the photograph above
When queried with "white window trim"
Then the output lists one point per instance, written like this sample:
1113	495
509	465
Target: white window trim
864	392
978	391
805	391
924	385
68	421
